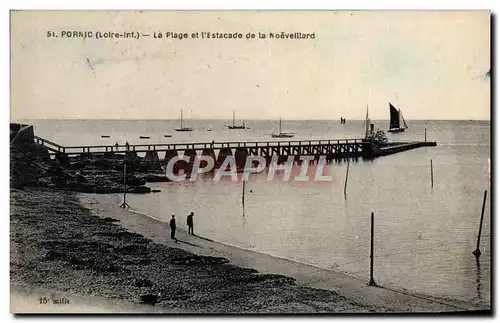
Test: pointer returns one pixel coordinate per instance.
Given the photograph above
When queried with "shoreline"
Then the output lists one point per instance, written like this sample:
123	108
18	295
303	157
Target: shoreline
308	275
59	245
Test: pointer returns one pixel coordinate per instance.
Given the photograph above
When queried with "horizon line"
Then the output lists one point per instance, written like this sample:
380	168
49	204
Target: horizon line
225	119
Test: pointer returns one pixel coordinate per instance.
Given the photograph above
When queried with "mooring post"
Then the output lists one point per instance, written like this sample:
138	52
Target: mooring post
345	184
124	204
243	197
477	252
432	175
425	135
372	281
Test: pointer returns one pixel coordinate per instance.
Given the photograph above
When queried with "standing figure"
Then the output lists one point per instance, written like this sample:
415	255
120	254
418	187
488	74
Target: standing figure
173	227
190	223
127	145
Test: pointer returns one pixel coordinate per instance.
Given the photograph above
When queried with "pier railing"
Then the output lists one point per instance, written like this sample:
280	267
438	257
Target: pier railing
198	145
52	146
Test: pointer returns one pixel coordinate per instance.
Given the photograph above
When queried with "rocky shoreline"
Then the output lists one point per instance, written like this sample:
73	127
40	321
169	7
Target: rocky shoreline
31	166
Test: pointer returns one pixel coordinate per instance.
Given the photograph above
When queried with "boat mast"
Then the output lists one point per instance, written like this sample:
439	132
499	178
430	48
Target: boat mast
367	126
233	118
280	125
181	119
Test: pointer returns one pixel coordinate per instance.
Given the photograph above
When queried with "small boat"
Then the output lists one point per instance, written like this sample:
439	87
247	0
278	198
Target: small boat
235	127
182	128
282	134
104	136
144	137
167	136
396	120
208	129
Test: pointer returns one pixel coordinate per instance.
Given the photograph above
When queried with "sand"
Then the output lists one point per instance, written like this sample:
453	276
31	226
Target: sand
104	258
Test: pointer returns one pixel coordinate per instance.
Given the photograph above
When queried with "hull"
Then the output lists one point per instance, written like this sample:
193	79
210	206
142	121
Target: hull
281	135
183	129
143	137
397	130
236	127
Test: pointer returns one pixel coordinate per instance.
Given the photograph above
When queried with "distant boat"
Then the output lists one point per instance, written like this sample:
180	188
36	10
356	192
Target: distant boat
282	134
342	120
182	128
144	137
372	135
396	120
104	136
233	127
167	136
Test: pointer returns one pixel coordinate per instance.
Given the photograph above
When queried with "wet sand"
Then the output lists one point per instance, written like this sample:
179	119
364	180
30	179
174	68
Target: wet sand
85	246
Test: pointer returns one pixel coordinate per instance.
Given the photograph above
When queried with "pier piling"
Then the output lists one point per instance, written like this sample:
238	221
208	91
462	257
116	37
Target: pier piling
346	175
243	196
432	175
124	204
372	281
477	252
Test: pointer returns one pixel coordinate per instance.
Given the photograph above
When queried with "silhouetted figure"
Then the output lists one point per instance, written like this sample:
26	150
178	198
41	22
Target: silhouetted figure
173	227
212	143
127	145
116	145
190	223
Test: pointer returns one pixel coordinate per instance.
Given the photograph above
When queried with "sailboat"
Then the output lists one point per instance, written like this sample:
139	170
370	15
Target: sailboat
237	127
396	120
182	128
282	134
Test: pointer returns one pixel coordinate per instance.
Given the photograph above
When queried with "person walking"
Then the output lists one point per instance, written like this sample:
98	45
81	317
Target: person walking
173	227
190	223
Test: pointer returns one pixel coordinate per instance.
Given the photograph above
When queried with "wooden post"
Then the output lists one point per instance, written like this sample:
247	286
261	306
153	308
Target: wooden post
345	184
124	204
432	175
372	281
477	252
243	197
425	135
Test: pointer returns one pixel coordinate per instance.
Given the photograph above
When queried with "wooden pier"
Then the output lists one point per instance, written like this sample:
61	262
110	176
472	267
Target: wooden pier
332	149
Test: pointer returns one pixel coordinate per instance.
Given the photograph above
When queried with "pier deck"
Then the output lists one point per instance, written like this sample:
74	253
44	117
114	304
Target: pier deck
331	148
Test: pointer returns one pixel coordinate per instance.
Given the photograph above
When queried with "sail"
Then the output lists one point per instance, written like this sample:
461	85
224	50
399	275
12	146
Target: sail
403	119
394	123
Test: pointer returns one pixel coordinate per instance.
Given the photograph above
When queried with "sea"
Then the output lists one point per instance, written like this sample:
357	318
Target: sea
424	233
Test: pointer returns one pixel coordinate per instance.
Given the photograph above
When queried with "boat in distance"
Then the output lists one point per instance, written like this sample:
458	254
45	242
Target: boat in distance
235	127
396	120
182	128
282	134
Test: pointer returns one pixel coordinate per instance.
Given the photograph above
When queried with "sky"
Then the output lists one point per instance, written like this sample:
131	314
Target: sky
430	64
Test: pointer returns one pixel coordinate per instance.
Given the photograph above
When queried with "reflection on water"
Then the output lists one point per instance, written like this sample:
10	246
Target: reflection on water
478	279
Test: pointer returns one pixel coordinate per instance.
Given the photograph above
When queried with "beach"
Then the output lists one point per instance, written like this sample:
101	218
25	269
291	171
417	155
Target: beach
85	245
